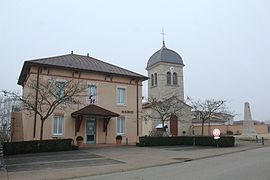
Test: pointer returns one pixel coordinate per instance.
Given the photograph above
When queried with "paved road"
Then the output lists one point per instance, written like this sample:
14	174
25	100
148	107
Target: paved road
97	161
248	165
55	160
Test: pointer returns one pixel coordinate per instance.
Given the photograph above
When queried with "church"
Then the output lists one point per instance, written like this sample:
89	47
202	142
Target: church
165	72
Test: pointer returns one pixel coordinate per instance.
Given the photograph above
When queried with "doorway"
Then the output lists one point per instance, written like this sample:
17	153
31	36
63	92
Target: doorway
174	125
91	130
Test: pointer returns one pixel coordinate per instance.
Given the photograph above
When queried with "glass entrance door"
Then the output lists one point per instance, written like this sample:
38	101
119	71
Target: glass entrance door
91	130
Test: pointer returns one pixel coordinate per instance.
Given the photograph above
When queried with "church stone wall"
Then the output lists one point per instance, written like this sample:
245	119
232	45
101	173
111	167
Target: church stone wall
162	90
185	121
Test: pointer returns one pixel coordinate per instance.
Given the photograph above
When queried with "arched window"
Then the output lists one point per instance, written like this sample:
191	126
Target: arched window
152	80
174	78
155	79
169	81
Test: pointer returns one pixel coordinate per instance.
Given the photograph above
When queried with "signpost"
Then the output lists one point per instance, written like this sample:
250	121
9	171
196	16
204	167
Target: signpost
216	134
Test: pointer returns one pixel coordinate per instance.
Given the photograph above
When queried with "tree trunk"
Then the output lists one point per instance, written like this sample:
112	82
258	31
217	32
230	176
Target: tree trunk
202	127
41	130
209	128
163	126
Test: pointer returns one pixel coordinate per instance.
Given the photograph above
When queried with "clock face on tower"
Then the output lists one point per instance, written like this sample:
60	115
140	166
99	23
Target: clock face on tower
171	68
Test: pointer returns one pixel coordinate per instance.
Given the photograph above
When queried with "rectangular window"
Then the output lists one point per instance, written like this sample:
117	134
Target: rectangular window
58	125
121	125
121	96
92	94
59	89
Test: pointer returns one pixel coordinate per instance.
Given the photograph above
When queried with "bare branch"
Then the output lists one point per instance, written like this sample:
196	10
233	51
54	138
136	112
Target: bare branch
50	96
208	109
163	110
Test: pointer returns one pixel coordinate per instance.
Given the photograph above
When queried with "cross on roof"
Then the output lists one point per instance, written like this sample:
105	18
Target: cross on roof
163	36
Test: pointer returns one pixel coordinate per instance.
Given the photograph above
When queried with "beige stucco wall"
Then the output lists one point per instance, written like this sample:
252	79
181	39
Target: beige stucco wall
106	98
236	129
16	126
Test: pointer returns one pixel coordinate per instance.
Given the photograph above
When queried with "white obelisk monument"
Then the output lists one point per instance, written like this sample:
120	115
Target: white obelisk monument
248	124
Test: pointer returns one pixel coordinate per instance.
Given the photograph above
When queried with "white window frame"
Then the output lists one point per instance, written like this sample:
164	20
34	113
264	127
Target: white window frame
119	103
57	118
122	119
88	93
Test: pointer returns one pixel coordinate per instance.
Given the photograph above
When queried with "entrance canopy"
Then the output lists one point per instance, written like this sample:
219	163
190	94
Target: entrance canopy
93	110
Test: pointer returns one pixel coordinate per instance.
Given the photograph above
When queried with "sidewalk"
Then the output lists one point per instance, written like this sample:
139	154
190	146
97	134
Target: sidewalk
124	158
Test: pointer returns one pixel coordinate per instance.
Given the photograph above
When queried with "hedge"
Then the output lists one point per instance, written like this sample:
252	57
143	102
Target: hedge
36	146
224	141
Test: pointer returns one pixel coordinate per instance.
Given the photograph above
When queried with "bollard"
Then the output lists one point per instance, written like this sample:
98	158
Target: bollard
257	140
262	141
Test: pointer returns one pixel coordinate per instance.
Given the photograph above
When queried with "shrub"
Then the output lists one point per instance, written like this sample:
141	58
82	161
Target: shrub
224	141
36	146
229	133
79	138
119	137
165	140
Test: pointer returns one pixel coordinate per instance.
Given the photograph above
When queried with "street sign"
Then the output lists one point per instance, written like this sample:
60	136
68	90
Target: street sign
216	133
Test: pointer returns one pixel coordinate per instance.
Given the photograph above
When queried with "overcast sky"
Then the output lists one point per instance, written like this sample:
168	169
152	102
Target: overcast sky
225	45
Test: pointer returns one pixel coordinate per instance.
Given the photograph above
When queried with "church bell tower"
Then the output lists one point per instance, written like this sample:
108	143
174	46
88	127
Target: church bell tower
165	72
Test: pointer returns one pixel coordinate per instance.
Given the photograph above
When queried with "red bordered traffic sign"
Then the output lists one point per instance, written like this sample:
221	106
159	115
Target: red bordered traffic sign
216	133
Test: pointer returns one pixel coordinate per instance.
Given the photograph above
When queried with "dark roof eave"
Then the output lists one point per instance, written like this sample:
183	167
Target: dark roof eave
23	73
148	67
29	63
89	114
94	110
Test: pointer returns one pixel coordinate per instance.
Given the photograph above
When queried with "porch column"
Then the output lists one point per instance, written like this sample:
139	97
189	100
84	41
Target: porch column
105	127
78	121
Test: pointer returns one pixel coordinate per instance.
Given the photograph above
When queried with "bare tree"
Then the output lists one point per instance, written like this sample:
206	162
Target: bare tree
208	109
4	118
50	95
163	110
7	105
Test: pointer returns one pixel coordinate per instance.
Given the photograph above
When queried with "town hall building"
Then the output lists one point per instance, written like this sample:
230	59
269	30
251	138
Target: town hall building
109	106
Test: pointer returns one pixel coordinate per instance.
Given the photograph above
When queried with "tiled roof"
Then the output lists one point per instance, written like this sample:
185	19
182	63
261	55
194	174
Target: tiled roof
79	62
94	110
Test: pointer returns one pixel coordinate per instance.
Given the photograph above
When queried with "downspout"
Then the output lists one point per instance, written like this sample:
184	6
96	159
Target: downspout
35	118
137	107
